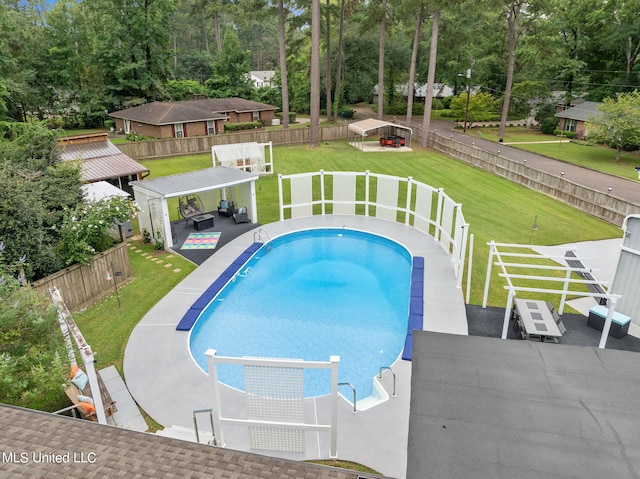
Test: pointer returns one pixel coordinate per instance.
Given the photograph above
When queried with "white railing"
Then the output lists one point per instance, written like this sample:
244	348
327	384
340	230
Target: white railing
267	410
404	200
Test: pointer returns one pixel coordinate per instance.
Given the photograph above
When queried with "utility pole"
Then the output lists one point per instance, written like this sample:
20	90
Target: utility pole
466	113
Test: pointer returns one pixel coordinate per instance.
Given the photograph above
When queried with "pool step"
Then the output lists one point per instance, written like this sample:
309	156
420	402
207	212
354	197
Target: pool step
190	317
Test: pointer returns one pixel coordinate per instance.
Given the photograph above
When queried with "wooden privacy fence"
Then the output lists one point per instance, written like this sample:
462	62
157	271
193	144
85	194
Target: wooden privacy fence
202	144
596	203
80	284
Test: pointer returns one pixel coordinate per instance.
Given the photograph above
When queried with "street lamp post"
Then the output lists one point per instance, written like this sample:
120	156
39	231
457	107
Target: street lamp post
466	113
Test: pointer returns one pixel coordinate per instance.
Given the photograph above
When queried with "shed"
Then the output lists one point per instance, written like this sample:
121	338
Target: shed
359	130
212	184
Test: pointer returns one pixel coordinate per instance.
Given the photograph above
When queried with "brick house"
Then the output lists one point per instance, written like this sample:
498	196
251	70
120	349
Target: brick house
181	119
575	117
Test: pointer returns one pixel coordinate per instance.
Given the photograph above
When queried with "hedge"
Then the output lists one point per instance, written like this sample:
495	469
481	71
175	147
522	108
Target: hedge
247	125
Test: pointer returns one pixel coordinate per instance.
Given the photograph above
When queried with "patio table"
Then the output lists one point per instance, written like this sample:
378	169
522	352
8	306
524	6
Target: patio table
536	320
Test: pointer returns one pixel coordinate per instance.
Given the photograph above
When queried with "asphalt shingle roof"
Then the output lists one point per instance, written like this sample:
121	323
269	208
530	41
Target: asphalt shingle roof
581	112
30	439
165	113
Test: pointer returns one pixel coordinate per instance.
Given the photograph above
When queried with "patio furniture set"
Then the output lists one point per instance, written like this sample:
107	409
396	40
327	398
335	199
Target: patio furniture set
190	209
537	320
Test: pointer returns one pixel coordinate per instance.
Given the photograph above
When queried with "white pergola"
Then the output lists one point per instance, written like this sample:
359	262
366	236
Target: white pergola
498	252
212	184
359	130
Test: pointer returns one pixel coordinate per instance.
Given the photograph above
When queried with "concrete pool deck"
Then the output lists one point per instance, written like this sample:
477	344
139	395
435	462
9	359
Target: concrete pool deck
165	381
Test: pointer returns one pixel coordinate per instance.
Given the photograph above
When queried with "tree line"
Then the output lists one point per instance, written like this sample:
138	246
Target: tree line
79	60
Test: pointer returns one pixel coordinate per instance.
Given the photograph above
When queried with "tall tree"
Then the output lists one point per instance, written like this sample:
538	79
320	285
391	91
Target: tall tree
383	22
618	124
514	10
414	59
284	82
314	100
328	58
231	69
428	99
338	91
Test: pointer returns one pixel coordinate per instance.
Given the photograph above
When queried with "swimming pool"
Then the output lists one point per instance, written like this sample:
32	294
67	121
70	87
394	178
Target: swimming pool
310	295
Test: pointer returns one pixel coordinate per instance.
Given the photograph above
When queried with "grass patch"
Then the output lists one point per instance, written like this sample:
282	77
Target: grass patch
83	131
581	153
107	326
352	466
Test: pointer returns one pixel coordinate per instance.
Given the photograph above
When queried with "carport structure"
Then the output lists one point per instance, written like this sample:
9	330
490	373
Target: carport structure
359	130
211	184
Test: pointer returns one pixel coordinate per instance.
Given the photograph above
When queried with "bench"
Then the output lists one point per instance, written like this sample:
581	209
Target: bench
109	404
619	322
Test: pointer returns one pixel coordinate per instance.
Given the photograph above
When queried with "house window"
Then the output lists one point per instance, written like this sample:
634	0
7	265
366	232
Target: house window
127	126
256	116
211	127
569	124
179	130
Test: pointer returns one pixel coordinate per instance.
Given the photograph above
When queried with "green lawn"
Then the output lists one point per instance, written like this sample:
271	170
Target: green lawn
596	157
107	326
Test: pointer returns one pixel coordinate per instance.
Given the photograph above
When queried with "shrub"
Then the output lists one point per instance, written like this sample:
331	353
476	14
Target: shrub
346	113
292	116
548	125
568	134
134	136
247	125
85	229
437	104
32	368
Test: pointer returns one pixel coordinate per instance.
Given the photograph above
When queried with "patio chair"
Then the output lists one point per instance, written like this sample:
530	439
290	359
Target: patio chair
241	216
190	206
556	317
226	208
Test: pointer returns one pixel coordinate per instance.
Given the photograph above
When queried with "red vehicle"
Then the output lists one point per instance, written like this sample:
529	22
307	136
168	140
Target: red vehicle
392	140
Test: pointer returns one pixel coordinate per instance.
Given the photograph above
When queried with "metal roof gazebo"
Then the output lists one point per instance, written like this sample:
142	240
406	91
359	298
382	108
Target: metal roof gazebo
357	131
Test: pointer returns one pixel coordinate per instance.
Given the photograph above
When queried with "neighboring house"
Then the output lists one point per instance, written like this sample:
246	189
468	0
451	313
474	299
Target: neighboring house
181	119
261	78
101	160
575	117
440	90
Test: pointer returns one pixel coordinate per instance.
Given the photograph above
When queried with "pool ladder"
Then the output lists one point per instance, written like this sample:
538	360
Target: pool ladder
214	440
355	409
379	377
257	237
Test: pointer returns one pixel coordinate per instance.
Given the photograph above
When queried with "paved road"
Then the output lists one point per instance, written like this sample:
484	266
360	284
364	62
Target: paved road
622	188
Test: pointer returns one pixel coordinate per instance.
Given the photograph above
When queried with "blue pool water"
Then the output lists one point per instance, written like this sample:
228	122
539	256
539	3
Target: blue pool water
313	294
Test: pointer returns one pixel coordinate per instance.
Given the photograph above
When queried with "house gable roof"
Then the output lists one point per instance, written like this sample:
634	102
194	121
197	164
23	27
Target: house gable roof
581	112
166	113
101	159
